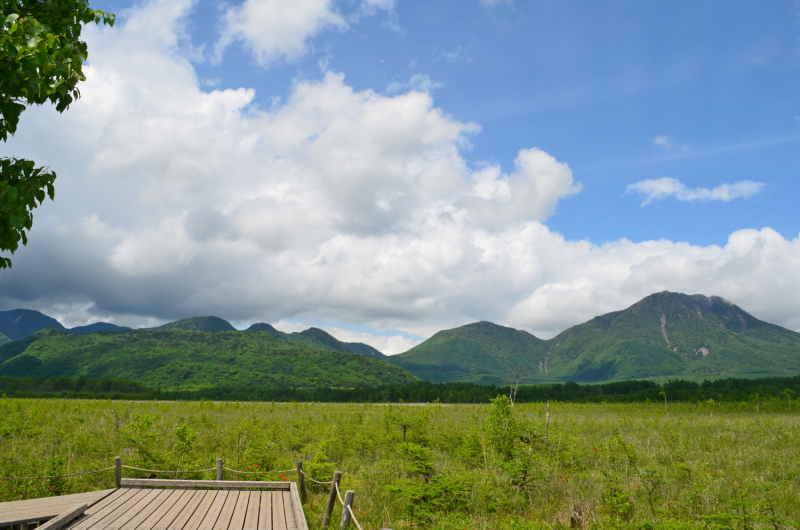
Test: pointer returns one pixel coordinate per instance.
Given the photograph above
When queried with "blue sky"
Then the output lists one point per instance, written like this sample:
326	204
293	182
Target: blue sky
593	84
667	142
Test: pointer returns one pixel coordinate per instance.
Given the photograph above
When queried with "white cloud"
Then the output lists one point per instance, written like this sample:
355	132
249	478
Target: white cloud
334	205
281	29
657	189
417	82
663	141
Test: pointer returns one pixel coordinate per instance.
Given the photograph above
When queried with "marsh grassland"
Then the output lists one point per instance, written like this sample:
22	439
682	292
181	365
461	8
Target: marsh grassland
460	467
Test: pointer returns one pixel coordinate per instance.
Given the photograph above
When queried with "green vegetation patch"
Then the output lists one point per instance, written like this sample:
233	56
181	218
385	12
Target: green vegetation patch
180	359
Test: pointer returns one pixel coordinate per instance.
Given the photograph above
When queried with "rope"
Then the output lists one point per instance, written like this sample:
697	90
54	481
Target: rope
257	472
166	471
339	495
349	509
58	476
314	480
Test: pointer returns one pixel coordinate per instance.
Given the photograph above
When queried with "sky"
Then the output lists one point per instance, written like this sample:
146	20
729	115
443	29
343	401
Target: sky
385	169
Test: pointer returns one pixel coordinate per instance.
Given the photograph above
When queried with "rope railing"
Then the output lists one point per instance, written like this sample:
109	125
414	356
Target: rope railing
350	509
338	494
259	472
167	470
315	481
59	476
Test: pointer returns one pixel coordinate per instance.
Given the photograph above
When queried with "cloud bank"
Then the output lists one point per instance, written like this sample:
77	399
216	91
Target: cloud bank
353	208
657	189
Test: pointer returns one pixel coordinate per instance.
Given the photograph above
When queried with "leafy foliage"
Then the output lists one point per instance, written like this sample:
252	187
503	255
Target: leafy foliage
178	359
41	60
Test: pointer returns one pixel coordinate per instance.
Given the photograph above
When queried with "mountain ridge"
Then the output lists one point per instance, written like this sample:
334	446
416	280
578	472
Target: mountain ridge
663	335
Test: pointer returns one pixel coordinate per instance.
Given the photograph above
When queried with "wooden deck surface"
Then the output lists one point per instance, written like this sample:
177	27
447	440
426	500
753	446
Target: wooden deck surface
188	509
21	512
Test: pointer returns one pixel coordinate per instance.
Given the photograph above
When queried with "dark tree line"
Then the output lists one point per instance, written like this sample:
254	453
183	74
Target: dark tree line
723	390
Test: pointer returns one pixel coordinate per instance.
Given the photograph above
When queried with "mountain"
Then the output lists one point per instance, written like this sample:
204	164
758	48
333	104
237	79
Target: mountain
19	323
321	340
4	339
97	326
665	335
212	324
481	352
186	359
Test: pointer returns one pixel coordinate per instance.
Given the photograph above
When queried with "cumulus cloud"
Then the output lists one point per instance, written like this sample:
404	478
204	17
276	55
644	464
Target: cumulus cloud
275	29
336	206
657	189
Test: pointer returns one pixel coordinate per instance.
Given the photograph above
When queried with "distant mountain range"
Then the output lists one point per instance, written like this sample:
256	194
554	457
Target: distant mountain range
666	335
19	323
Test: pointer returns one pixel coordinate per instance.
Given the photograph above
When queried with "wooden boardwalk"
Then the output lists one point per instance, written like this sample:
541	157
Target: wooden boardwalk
175	505
23	512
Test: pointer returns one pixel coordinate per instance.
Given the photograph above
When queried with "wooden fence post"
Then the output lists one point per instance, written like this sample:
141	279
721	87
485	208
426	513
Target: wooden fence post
301	480
220	471
348	501
117	471
331	499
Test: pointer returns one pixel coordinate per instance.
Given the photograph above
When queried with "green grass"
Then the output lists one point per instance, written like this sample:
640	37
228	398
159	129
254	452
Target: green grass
634	466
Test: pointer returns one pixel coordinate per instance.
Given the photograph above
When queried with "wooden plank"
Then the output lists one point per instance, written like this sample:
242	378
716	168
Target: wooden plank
119	500
102	503
253	506
110	512
211	517
20	512
65	518
74	499
146	512
265	511
121	516
174	498
194	511
288	508
297	504
240	511
278	513
227	484
226	514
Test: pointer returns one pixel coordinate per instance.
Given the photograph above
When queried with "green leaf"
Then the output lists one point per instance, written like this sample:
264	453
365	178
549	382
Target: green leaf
11	18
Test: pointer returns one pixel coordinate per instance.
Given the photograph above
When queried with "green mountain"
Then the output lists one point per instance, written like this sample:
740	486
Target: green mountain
4	339
664	335
211	324
481	352
321	340
184	359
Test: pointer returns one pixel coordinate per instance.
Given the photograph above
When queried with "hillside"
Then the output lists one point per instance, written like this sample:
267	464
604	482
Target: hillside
19	323
481	352
662	336
210	324
181	359
321	340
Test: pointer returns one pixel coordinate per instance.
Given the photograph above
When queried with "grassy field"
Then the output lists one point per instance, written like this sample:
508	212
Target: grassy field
461	466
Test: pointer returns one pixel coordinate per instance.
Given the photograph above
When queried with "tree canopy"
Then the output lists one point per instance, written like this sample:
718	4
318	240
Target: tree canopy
41	60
